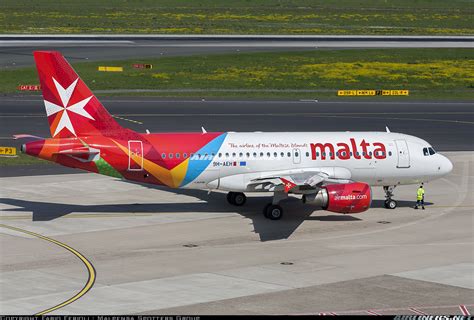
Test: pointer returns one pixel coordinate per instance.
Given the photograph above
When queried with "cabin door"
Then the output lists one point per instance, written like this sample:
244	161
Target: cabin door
403	154
135	155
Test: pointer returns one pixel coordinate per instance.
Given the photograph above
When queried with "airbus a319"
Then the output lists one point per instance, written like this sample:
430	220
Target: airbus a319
333	170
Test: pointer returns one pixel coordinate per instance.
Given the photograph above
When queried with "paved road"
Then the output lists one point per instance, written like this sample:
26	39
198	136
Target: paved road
20	54
164	251
15	53
447	125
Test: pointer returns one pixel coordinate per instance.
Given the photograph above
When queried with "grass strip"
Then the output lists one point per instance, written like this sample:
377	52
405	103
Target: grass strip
427	73
397	17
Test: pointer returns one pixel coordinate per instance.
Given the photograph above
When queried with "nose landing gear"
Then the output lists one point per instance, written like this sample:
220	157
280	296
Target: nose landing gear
389	202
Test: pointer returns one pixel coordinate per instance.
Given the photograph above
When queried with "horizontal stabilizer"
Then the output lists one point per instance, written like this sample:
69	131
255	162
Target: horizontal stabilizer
84	154
26	137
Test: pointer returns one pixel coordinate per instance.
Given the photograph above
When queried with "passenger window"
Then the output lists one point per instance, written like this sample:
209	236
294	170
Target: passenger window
233	154
177	155
248	155
254	154
289	155
425	152
282	154
226	155
275	154
431	150
307	154
296	154
390	153
163	155
185	155
261	154
171	156
268	154
241	154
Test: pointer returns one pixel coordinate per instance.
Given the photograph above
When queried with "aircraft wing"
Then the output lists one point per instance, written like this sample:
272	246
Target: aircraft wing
299	182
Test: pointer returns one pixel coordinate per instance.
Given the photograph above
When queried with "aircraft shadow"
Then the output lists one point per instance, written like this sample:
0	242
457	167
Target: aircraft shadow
295	211
400	204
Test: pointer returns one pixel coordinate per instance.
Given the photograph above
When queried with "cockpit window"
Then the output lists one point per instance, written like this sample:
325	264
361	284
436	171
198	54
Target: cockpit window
431	150
426	152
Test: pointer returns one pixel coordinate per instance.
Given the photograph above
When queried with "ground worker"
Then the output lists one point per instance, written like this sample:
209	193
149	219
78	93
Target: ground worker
420	198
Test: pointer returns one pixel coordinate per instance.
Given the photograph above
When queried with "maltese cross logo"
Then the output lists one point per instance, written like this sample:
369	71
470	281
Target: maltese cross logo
77	108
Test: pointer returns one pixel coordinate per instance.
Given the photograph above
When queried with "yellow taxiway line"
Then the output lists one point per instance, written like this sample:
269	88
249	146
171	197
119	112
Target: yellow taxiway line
87	263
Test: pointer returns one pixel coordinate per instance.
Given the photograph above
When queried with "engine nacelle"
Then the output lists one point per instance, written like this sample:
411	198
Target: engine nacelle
343	198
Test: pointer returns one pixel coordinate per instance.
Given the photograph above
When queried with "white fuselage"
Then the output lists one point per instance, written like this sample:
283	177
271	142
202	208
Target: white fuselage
376	158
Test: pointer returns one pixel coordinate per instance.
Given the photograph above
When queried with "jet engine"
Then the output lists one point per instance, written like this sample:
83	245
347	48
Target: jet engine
342	198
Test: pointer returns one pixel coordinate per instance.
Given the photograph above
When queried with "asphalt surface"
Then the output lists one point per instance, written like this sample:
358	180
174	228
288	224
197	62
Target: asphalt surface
448	126
156	250
17	53
21	54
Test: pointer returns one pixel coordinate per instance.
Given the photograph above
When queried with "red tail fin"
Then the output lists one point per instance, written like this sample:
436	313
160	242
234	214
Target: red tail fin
72	109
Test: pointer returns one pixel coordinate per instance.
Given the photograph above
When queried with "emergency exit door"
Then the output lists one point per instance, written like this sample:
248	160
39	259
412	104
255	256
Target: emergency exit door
135	155
296	156
403	154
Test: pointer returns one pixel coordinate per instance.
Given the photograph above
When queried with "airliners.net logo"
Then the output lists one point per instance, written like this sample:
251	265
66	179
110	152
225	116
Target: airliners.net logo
351	197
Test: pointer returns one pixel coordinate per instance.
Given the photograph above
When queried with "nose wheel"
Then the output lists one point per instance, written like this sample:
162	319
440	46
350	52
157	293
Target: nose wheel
389	202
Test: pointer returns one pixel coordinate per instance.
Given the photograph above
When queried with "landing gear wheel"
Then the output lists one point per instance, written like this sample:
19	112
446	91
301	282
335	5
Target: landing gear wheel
390	204
274	212
238	199
229	197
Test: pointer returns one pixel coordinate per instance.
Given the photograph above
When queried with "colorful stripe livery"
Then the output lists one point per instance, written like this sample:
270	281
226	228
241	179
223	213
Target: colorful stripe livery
171	165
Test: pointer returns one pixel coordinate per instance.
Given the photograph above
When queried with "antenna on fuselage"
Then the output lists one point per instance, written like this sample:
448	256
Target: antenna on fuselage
387	129
203	130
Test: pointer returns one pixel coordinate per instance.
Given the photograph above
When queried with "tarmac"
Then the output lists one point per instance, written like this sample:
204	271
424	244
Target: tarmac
156	250
16	50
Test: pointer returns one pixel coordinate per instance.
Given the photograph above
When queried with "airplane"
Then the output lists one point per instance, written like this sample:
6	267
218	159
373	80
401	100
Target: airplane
331	170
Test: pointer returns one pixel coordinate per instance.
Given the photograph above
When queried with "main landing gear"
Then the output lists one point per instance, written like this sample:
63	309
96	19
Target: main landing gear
271	211
236	198
389	202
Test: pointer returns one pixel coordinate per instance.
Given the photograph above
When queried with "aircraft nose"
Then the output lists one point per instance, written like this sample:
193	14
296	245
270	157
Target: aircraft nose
446	166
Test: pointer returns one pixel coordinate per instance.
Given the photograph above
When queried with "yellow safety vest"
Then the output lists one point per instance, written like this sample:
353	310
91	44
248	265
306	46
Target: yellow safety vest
420	193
